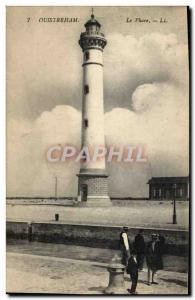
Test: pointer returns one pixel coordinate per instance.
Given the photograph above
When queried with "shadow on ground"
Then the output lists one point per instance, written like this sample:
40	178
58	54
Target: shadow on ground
99	289
176	281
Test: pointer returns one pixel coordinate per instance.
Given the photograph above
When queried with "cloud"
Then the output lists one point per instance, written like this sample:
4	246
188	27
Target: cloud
46	72
28	172
131	62
159	121
145	97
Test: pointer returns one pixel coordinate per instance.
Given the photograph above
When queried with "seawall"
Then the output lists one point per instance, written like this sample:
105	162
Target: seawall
92	235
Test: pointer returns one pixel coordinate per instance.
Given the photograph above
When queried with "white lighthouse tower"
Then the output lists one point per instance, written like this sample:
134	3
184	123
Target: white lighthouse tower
92	178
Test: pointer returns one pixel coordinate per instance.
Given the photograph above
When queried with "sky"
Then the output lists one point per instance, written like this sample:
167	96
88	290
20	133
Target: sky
146	95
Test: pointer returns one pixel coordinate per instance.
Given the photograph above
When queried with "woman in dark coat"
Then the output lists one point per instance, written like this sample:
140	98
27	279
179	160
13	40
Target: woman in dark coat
152	258
161	250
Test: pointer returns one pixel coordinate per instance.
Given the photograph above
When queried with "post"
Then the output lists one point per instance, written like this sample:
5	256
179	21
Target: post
116	283
174	205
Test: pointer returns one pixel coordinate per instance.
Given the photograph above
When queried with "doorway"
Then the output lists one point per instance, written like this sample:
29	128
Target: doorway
84	192
168	195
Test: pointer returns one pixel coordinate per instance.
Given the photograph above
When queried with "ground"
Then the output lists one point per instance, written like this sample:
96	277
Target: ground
42	272
156	214
34	267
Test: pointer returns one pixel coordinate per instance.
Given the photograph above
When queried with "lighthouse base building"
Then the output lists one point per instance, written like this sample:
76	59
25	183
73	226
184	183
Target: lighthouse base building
93	178
93	188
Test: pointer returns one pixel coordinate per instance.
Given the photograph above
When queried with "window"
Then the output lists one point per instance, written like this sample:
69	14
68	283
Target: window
84	157
86	89
86	123
175	190
87	55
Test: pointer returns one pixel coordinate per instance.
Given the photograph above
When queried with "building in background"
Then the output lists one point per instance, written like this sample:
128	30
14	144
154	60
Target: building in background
168	187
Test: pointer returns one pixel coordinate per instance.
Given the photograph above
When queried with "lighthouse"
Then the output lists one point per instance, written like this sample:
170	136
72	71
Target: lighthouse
93	178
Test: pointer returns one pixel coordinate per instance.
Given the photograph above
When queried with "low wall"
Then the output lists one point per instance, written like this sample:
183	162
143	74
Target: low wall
93	235
17	230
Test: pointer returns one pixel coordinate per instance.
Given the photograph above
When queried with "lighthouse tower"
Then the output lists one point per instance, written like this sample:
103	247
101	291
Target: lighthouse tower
92	178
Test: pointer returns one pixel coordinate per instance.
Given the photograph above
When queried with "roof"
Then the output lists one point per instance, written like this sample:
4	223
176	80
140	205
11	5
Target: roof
92	21
168	179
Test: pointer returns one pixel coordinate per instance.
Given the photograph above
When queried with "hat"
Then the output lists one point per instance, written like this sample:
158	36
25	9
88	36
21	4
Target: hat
154	235
125	228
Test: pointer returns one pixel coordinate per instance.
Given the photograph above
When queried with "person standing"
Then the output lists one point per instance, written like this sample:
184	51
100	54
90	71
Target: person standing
124	246
152	258
132	270
139	245
161	250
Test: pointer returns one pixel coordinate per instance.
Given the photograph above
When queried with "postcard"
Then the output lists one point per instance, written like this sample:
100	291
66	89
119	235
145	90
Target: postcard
98	181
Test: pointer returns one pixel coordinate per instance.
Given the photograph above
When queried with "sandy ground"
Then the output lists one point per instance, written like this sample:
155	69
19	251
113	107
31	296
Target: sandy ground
43	274
137	213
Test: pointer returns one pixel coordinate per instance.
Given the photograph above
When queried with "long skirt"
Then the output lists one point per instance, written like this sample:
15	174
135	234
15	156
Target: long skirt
154	262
